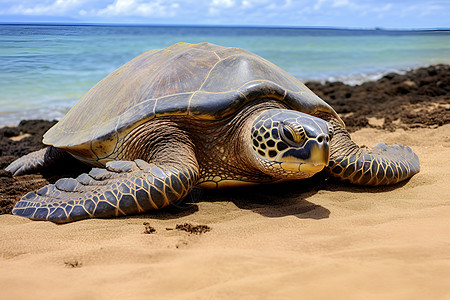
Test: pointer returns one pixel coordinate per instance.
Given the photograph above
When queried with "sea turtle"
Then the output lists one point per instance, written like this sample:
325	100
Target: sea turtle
195	115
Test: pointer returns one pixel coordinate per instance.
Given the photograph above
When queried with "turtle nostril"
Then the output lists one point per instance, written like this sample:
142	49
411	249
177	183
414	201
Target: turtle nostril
322	138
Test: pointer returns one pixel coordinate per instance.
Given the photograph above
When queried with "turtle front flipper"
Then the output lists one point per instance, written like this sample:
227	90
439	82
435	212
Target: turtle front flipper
123	188
381	165
37	160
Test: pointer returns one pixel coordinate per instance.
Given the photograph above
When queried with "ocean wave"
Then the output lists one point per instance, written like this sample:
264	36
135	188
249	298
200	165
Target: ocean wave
354	78
13	118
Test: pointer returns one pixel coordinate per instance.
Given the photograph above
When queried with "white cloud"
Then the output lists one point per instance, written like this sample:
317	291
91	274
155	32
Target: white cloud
223	3
280	6
324	4
247	4
432	9
89	8
254	3
140	8
339	3
318	5
58	7
216	7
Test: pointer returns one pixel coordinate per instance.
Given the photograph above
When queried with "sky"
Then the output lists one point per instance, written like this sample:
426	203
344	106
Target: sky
402	14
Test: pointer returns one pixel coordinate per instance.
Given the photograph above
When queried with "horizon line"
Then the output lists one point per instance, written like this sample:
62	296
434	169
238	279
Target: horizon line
376	28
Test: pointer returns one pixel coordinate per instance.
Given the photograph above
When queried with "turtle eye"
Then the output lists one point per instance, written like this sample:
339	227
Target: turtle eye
292	136
288	134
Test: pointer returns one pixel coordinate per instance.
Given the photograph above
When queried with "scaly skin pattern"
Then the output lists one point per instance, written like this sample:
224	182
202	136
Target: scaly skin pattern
381	165
123	188
37	160
290	144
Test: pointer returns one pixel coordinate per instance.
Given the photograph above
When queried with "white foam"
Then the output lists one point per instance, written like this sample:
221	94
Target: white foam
13	118
353	78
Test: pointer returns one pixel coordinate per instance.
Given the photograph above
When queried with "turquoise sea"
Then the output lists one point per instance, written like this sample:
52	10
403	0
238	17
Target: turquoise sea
45	69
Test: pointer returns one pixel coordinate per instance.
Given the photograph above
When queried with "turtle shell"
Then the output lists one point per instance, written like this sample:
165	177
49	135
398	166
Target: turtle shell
204	81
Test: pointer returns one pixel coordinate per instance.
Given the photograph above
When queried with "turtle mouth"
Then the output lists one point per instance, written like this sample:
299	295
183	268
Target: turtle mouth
318	159
312	168
302	167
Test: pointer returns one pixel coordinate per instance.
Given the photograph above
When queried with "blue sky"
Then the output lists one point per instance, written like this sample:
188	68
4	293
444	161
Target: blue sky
403	14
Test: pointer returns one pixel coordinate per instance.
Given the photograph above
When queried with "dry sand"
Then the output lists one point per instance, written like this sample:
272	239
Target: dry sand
337	242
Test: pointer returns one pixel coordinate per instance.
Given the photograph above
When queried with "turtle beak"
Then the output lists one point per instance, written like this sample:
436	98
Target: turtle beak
320	155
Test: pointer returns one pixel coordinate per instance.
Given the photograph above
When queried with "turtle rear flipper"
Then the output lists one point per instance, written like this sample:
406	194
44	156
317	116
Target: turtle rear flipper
38	160
123	188
381	165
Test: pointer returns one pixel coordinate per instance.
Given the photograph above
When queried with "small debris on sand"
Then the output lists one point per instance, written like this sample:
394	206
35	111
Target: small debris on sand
148	229
193	229
73	263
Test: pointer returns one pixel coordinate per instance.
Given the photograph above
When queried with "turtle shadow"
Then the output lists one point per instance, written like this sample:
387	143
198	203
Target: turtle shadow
273	200
335	185
175	211
70	168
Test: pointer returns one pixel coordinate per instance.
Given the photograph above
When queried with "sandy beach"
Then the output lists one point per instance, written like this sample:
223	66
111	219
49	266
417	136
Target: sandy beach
313	239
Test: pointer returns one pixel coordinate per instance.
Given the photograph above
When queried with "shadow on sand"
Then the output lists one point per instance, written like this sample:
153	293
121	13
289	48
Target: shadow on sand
273	201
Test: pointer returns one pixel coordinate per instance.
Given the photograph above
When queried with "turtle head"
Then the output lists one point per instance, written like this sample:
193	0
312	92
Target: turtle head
289	144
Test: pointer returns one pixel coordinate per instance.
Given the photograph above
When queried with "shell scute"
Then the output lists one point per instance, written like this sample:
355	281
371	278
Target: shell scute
234	71
173	105
214	106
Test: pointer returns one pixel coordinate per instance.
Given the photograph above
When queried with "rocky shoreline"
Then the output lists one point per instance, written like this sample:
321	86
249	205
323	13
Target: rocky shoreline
418	98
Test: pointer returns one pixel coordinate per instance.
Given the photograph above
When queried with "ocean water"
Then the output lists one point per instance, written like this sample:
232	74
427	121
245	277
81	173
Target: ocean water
45	69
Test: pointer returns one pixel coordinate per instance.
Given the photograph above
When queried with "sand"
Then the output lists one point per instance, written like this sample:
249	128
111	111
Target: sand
336	242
